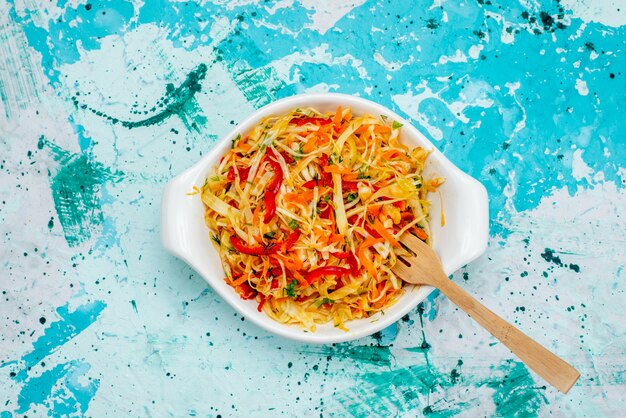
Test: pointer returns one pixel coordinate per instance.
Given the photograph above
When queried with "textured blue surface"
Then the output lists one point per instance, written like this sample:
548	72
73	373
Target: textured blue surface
103	102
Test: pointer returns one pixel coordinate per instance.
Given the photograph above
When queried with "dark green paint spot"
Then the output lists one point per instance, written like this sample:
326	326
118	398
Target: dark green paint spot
372	354
177	101
76	190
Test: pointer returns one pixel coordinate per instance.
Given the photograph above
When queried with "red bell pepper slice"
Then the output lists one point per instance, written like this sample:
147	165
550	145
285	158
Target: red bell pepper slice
315	274
287	157
312	183
263	299
272	248
292	238
243	174
341	255
323	162
345	185
257	250
304	121
245	291
354	265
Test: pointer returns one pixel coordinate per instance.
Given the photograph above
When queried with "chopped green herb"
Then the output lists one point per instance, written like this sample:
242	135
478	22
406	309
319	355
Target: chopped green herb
290	290
363	176
327	198
293	224
216	239
269	235
236	139
383	117
351	197
299	157
396	125
324	301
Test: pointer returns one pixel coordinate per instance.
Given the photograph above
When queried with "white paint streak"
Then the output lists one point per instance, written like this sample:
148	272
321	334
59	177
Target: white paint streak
327	13
458	56
580	169
581	87
474	51
287	66
607	12
393	65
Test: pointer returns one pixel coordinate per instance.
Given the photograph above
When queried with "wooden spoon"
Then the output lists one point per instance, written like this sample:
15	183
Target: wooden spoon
423	267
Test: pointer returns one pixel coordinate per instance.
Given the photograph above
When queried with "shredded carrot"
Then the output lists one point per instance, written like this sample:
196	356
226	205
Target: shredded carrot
362	129
374	209
310	144
350	176
421	234
338	117
240	280
382	129
383	233
244	147
300	197
365	261
338	169
332	238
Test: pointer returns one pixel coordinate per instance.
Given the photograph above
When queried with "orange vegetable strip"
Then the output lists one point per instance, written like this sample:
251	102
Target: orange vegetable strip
338	117
244	147
310	144
380	228
363	256
421	234
240	280
374	209
337	169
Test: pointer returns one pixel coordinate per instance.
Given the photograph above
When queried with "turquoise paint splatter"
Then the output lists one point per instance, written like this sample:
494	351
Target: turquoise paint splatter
258	85
516	394
442	394
372	354
80	395
177	101
59	390
76	186
39	389
59	333
59	44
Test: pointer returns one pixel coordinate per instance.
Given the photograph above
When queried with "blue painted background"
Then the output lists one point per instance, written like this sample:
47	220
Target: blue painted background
103	102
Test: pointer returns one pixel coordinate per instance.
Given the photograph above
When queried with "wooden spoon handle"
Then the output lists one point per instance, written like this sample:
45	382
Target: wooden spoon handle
545	363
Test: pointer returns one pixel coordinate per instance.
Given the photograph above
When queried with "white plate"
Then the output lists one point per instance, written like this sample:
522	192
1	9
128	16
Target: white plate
461	240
